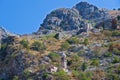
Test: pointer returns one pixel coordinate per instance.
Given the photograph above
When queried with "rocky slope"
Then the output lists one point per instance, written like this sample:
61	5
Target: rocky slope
61	57
90	12
114	13
4	33
27	58
76	18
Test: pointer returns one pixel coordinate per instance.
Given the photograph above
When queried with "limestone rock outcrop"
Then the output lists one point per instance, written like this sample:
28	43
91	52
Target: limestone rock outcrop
74	19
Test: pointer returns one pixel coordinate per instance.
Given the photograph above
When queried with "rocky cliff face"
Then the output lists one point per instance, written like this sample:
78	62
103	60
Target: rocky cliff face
76	18
64	18
41	57
90	12
3	33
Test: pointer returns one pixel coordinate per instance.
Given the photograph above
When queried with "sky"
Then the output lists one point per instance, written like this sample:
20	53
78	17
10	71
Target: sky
25	16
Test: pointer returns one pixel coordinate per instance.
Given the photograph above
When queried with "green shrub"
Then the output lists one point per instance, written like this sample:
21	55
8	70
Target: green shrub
112	76
38	46
3	52
116	59
48	36
95	62
74	62
118	69
24	43
86	41
54	56
26	73
75	73
15	78
73	40
84	66
82	75
80	53
108	54
61	75
65	46
115	33
89	74
116	51
3	48
45	76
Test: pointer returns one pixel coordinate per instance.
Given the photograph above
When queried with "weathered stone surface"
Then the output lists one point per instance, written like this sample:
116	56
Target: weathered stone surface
62	19
4	34
76	18
89	11
59	36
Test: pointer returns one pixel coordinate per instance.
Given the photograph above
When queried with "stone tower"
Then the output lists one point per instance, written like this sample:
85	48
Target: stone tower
64	62
89	27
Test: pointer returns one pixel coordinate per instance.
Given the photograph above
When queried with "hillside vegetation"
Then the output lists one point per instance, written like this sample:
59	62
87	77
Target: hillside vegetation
71	44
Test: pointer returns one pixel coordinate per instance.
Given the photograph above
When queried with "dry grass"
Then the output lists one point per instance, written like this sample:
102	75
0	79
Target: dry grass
114	12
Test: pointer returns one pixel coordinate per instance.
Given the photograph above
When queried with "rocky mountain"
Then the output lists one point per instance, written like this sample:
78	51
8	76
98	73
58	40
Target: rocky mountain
76	18
91	12
59	56
4	33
